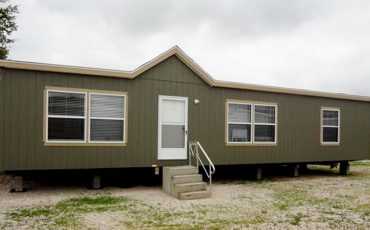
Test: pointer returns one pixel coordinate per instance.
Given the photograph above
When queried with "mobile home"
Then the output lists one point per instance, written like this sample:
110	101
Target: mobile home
55	117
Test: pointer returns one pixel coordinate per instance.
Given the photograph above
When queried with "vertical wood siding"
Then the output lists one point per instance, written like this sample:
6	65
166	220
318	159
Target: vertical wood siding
2	121
21	122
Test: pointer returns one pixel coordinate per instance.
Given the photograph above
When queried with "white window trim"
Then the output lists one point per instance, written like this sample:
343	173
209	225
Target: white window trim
238	123
252	123
329	126
65	116
267	124
86	141
108	118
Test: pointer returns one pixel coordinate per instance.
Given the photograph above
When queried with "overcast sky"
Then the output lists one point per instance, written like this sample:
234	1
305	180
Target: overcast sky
318	45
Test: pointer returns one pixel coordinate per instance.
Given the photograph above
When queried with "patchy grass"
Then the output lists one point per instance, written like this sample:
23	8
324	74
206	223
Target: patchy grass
296	219
292	196
286	198
65	213
326	201
365	163
364	209
100	200
198	217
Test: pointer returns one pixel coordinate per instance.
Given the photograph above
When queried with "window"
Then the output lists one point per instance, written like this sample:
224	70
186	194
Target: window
85	117
264	123
251	123
106	118
330	125
239	123
66	118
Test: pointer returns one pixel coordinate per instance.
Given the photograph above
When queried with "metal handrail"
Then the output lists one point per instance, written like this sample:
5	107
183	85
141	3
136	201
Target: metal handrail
194	147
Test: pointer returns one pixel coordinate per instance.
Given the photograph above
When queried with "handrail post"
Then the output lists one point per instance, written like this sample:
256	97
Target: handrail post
210	178
197	153
189	153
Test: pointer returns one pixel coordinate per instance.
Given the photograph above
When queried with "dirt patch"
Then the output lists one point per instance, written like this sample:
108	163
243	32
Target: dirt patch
108	220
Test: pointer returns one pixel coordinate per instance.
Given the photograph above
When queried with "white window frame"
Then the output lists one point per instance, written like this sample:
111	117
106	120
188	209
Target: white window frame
65	116
329	126
267	124
238	123
108	118
252	123
86	141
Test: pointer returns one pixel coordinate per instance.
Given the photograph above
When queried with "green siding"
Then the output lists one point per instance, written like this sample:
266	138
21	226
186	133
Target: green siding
21	122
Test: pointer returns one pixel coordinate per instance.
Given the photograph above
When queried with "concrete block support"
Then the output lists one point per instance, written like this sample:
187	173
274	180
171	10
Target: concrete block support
344	168
17	185
295	168
166	181
259	173
96	182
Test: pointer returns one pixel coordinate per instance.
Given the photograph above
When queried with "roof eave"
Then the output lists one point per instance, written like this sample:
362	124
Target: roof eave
185	59
301	92
11	64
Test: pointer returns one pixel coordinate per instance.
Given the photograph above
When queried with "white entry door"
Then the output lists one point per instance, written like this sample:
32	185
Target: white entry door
172	127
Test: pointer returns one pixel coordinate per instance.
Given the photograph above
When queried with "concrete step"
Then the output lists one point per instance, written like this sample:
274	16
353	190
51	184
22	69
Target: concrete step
187	178
188	187
184	182
181	170
194	195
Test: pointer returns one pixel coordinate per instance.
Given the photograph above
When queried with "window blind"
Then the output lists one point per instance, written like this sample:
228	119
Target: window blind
66	116
107	118
107	106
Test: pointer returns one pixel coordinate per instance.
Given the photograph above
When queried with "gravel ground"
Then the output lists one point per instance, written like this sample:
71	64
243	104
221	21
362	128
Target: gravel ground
320	199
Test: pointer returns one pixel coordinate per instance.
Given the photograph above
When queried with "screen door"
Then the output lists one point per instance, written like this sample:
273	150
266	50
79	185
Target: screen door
172	127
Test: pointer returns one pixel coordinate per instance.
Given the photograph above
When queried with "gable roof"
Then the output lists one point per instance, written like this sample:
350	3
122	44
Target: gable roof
174	51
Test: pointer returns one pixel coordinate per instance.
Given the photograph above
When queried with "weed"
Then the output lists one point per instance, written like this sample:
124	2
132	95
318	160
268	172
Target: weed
99	200
34	212
364	209
286	198
296	219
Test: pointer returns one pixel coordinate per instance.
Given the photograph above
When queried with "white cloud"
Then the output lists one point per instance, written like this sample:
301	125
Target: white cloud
320	45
